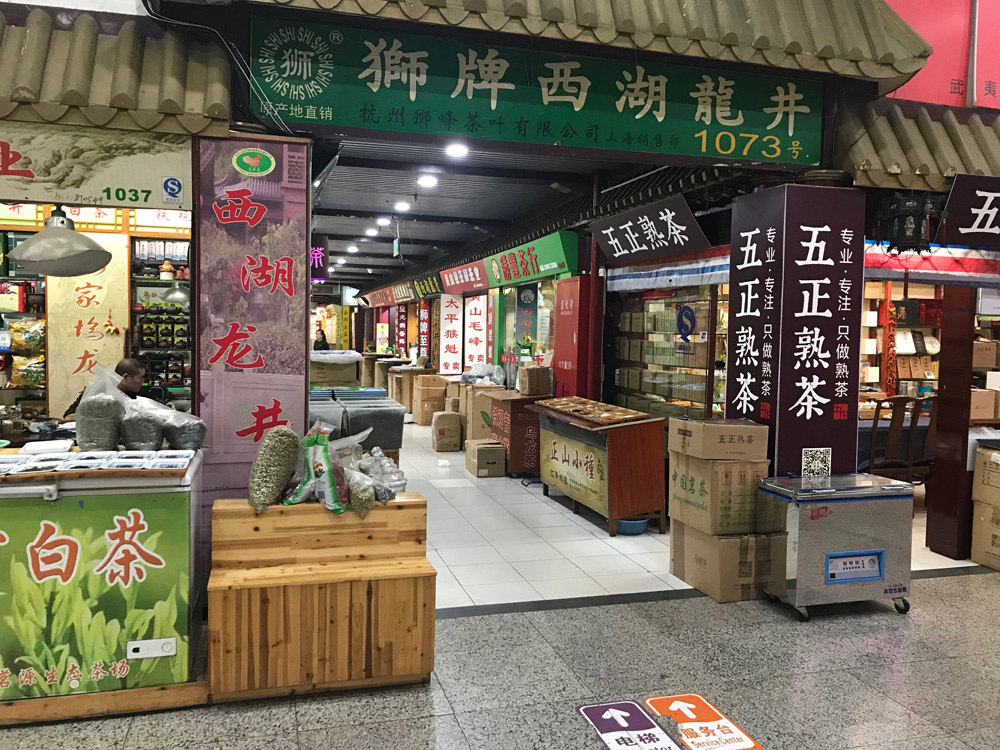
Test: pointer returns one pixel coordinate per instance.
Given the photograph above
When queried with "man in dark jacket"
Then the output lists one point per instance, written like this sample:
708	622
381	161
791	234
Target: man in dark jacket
133	372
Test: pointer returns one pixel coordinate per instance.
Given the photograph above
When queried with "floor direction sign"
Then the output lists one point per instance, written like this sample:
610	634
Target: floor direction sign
626	724
702	725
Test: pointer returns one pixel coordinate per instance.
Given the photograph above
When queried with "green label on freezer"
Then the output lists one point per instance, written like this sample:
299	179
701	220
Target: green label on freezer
82	577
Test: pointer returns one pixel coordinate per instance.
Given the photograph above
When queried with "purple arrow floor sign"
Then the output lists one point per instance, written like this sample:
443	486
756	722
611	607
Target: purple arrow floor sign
626	724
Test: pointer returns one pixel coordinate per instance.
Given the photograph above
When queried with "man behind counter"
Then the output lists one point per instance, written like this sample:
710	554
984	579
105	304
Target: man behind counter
133	372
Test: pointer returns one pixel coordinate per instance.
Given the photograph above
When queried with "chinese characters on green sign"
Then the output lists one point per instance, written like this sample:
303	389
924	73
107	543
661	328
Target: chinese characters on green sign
341	76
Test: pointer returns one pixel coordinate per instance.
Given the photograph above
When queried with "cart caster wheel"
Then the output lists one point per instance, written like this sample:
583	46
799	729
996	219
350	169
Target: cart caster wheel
902	606
803	614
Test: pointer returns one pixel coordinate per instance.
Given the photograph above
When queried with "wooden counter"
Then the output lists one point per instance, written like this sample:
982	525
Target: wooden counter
614	469
303	600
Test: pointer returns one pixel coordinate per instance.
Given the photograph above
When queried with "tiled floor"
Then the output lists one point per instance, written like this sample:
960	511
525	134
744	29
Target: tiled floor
496	541
856	676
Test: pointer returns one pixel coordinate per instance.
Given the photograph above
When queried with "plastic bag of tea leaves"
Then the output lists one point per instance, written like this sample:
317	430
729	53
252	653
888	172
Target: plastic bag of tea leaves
274	465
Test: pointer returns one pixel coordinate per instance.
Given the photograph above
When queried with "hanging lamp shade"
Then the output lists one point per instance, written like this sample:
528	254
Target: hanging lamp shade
177	294
59	250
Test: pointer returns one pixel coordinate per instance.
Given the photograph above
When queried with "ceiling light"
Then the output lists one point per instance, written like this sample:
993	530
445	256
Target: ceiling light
384	222
402	206
369	270
59	250
427	180
371	232
457	150
316	183
341	261
331	269
352	248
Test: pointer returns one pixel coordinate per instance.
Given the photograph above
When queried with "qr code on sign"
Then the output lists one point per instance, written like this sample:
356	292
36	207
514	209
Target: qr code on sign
816	462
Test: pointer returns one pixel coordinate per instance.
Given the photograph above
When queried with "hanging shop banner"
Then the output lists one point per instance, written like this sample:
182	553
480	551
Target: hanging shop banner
424	329
401	341
526	311
796	292
436	333
476	351
382	337
340	77
318	262
452	312
655	231
491	325
428	286
381	298
253	300
552	255
56	164
470	277
972	213
402	293
345	327
87	327
87	576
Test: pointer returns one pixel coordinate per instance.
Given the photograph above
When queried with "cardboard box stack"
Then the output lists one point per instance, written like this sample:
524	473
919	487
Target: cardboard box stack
724	541
451	404
986	509
475	406
428	397
534	381
446	431
485	458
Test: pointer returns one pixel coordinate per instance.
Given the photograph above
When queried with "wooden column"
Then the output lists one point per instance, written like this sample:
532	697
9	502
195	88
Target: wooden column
949	489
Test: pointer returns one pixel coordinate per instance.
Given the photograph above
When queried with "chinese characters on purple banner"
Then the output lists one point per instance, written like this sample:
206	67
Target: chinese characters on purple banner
796	284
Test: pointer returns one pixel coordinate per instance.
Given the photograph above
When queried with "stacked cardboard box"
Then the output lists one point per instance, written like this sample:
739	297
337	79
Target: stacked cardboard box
724	541
428	397
475	406
986	515
534	381
446	431
485	458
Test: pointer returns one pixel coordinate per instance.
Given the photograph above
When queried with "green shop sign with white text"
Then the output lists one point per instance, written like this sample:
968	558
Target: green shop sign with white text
552	255
340	76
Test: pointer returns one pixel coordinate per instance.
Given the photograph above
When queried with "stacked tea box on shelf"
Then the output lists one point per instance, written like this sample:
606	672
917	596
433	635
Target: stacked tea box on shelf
723	540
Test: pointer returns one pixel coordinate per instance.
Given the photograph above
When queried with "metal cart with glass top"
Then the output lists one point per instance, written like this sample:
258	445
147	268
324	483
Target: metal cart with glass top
849	539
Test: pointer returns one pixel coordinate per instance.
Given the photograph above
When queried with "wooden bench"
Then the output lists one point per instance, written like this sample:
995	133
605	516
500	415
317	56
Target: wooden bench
303	600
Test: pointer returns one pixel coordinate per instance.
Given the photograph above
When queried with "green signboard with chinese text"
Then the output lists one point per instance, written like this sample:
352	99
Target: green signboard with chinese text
428	286
341	76
551	255
81	578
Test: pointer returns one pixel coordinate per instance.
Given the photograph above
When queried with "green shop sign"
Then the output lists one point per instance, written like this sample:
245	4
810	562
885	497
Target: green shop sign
361	78
82	577
552	255
428	286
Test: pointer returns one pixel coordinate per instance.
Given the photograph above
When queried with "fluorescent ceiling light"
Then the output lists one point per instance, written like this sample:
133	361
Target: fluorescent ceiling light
427	180
457	150
341	261
402	206
384	222
352	248
371	232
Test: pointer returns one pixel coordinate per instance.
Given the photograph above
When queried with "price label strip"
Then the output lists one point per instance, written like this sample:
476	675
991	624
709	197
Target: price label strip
626	724
702	725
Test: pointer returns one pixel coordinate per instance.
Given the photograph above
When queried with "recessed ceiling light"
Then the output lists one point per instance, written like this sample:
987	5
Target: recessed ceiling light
457	150
402	206
371	232
384	222
352	248
331	269
427	180
369	270
341	261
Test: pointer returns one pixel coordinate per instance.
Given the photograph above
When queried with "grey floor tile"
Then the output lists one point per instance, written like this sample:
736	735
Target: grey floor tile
614	622
836	710
506	676
987	738
538	726
940	742
957	694
284	741
493	631
96	734
213	726
315	712
431	733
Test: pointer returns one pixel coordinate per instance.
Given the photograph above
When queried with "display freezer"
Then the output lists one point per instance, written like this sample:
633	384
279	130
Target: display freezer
849	539
97	584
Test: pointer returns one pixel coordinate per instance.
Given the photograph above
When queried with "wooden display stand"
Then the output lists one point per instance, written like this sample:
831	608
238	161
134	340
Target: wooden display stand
615	469
368	367
302	600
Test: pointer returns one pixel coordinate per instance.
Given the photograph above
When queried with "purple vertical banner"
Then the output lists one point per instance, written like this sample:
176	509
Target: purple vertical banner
820	331
253	290
755	274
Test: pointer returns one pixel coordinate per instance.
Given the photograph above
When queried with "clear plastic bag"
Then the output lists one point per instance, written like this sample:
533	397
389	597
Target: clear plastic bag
141	427
183	432
485	374
324	475
100	412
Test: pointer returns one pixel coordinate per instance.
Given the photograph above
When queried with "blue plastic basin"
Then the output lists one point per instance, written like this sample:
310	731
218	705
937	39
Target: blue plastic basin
631	528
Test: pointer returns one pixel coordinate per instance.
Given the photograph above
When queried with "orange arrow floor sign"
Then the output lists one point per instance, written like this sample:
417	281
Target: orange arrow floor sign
702	725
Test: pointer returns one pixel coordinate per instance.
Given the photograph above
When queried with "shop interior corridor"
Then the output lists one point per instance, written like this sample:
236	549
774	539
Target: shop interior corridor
497	541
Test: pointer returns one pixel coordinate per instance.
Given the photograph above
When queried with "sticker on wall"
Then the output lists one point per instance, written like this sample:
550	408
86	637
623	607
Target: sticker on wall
253	162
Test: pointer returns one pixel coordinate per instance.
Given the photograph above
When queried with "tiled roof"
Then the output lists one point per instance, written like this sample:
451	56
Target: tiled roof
881	146
122	81
857	38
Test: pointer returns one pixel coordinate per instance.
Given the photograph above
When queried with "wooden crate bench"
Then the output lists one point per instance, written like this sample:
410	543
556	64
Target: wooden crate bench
303	600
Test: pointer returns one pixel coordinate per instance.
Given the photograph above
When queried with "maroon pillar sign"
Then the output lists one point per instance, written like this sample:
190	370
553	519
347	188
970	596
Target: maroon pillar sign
796	290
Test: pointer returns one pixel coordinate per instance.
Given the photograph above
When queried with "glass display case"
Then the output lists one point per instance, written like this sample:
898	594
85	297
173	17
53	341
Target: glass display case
671	352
